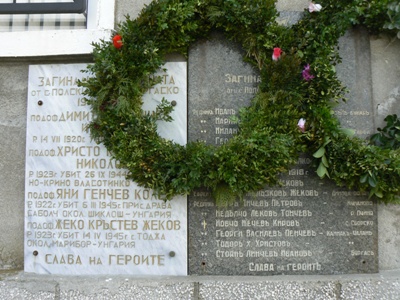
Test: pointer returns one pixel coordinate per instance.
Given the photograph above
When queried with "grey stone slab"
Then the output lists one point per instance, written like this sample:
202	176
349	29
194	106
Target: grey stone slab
11	196
355	72
219	84
32	286
292	5
289	18
389	236
308	226
13	89
384	289
129	289
131	8
287	290
19	285
385	65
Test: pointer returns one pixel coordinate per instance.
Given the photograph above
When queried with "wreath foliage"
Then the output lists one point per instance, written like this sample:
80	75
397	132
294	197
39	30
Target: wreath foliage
269	139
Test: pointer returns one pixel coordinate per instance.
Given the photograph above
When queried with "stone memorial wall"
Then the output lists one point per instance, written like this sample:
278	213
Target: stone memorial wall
81	215
280	230
306	226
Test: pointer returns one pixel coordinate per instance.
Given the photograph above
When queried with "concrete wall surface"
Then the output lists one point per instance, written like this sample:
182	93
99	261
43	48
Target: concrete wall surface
385	70
13	91
385	286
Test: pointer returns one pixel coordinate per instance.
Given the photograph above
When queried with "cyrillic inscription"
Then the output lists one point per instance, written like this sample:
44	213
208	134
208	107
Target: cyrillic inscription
303	226
82	215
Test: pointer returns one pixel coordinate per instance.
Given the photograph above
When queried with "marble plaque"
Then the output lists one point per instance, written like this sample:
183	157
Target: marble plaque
81	215
307	226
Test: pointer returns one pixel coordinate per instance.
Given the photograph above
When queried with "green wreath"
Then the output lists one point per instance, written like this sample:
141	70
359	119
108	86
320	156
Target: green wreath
291	113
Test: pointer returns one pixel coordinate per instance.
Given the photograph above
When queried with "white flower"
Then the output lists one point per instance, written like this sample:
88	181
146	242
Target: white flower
314	7
302	124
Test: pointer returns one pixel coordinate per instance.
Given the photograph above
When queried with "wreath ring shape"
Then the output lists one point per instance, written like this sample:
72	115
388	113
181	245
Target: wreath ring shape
291	113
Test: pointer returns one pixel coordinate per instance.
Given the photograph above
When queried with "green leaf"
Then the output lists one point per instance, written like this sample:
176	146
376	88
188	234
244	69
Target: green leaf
300	53
325	161
348	131
363	178
320	152
322	171
328	140
372	181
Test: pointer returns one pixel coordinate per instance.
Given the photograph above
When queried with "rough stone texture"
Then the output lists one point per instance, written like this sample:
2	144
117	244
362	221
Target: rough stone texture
384	286
355	73
131	8
389	236
292	5
289	9
386	71
287	289
13	89
289	18
385	65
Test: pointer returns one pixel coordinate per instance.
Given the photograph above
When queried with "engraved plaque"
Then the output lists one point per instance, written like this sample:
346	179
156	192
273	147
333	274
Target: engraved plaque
306	226
81	215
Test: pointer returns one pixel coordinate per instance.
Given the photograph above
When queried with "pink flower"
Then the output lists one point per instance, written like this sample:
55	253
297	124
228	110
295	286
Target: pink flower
314	7
277	53
117	41
306	73
302	125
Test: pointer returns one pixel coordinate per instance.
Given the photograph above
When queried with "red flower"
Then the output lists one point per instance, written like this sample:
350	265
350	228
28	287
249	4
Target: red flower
277	53
117	41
